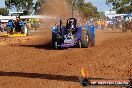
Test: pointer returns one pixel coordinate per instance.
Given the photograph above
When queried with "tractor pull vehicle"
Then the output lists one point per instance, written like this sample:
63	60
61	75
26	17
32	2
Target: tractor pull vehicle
15	26
72	35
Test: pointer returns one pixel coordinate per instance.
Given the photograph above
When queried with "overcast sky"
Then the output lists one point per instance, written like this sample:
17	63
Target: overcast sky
100	4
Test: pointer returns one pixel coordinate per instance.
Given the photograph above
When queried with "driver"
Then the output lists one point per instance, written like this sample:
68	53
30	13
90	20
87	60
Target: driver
72	26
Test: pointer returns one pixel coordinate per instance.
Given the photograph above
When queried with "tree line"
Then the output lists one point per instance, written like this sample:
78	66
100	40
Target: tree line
121	6
88	10
27	6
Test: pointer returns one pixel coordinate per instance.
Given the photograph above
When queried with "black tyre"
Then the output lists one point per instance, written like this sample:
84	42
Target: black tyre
92	40
22	30
2	29
85	36
9	30
93	43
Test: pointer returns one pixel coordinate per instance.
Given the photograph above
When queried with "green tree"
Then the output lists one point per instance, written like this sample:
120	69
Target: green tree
20	5
87	9
79	3
38	5
122	6
3	11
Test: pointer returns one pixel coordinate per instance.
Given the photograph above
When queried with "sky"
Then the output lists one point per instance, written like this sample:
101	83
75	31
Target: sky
2	3
100	4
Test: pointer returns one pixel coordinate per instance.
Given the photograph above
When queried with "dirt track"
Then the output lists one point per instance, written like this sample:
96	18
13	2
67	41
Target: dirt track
30	62
33	64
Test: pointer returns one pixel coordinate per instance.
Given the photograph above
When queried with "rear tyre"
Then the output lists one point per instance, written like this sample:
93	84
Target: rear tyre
85	37
22	30
2	29
92	38
9	30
